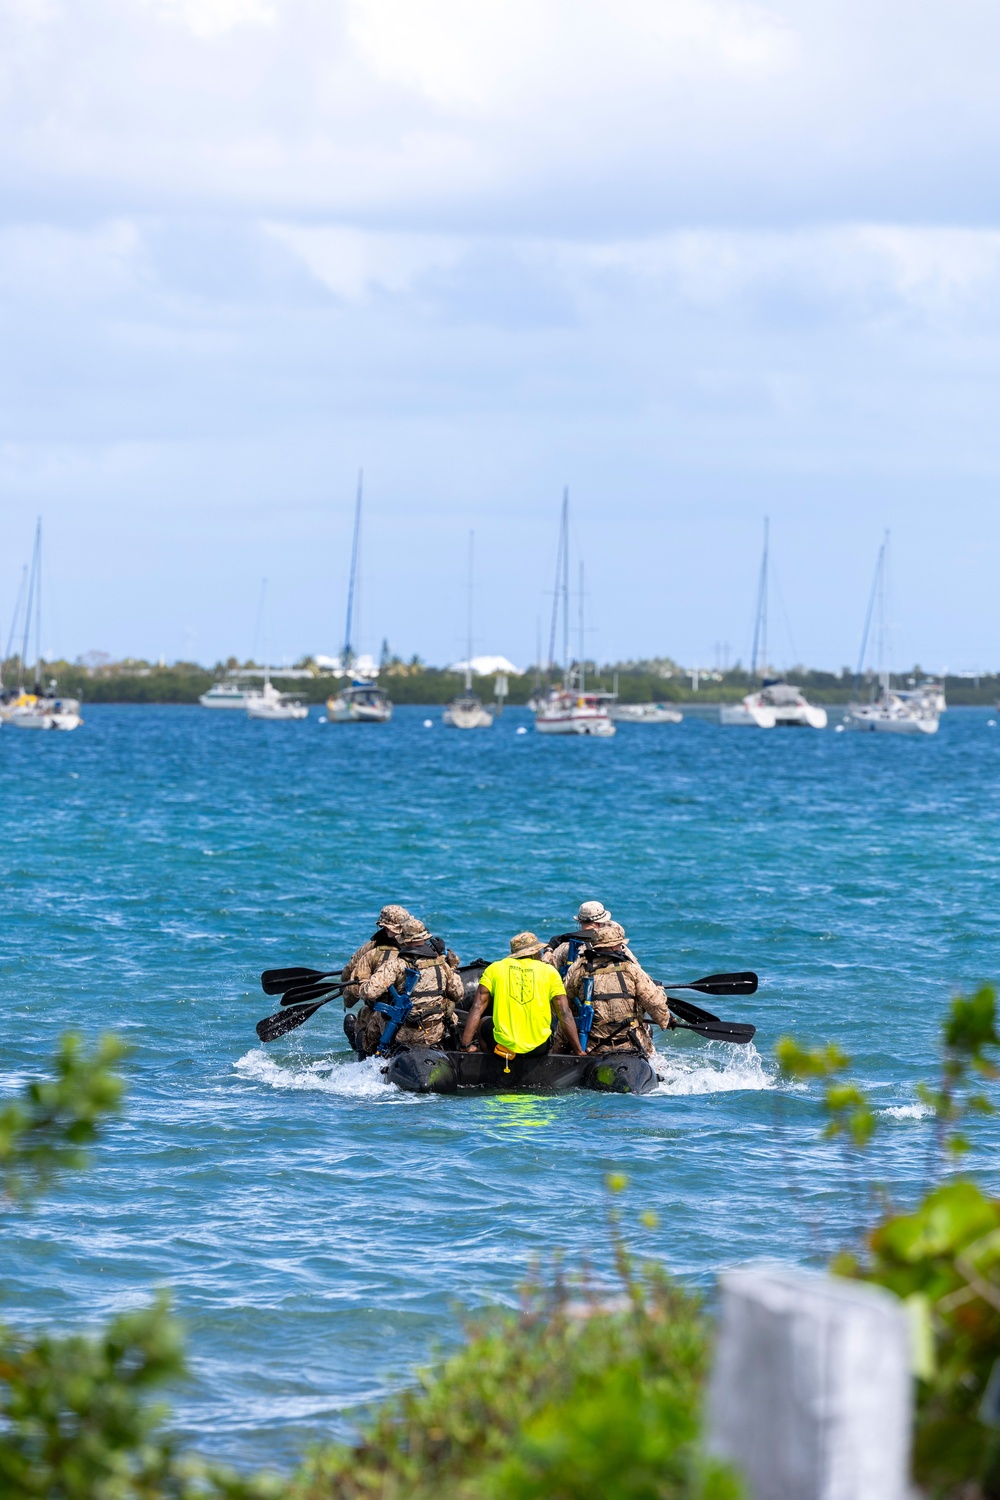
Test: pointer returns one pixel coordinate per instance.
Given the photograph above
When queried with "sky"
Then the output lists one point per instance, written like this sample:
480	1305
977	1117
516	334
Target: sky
700	262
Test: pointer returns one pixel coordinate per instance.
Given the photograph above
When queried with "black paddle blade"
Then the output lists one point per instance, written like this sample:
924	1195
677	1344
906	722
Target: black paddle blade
285	1020
688	1012
721	1031
744	983
301	994
276	981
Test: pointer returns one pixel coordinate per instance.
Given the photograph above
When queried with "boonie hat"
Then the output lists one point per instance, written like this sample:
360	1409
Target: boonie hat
413	930
522	944
394	917
593	911
608	935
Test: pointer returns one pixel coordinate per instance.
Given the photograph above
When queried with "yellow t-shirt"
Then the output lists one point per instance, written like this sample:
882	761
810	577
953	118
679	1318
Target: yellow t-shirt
523	990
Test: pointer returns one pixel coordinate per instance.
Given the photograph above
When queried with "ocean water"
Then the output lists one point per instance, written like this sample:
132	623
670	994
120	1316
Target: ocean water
321	1232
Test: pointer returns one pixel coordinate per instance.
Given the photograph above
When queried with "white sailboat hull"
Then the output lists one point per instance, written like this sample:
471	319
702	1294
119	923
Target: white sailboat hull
467	714
30	718
347	710
278	711
750	714
644	713
876	720
568	714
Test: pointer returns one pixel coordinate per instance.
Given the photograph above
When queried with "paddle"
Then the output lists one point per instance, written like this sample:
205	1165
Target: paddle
719	1031
276	981
303	993
744	983
286	1020
689	1012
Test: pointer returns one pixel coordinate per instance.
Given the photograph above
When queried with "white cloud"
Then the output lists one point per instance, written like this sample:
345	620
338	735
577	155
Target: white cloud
213	18
353	263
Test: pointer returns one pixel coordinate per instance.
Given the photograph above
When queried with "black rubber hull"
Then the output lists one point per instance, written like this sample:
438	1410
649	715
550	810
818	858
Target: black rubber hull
425	1070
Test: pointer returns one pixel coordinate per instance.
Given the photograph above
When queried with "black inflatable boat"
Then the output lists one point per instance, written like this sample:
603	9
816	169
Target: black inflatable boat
426	1070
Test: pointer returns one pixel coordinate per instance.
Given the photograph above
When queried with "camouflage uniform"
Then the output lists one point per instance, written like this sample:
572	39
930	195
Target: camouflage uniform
591	915
434	996
362	964
623	995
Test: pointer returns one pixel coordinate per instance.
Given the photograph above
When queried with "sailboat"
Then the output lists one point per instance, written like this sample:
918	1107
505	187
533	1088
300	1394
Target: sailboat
569	708
362	702
889	712
269	703
40	708
776	703
468	711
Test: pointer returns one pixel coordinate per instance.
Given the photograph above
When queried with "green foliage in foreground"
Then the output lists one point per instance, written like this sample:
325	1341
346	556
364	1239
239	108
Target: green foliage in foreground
943	1259
47	1129
76	1420
566	1401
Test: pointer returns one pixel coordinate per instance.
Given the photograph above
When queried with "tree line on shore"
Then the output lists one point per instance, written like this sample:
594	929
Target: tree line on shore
137	681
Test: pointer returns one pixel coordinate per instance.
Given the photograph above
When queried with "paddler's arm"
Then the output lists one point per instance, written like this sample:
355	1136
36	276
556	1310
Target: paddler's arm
651	998
476	1012
561	1007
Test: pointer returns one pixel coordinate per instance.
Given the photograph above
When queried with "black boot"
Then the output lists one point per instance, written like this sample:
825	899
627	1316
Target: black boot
350	1030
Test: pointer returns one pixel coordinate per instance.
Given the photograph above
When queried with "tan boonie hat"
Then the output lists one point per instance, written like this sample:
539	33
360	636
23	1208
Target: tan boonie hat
524	944
593	911
413	930
394	917
608	935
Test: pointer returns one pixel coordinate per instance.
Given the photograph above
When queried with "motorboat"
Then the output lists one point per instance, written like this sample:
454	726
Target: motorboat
644	713
361	703
778	704
31	711
468	711
576	712
229	695
890	711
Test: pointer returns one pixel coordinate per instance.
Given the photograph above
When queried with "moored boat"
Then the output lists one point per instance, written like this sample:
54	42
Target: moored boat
30	711
644	713
575	713
363	702
468	711
229	695
890	711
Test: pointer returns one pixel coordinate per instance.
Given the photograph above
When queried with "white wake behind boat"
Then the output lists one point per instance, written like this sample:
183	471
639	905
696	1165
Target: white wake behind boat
644	713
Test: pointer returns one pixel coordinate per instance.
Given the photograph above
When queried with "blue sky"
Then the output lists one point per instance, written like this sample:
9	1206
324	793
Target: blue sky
699	261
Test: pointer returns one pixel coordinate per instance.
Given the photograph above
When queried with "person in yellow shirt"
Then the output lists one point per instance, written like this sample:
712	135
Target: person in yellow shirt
527	995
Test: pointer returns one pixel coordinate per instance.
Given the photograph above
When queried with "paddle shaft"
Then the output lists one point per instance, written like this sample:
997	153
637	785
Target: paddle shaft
720	1031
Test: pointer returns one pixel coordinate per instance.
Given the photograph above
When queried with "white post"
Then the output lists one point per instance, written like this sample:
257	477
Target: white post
811	1393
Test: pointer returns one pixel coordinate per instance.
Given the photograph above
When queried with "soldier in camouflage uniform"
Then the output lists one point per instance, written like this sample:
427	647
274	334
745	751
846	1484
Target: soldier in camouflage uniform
623	994
435	994
362	964
590	916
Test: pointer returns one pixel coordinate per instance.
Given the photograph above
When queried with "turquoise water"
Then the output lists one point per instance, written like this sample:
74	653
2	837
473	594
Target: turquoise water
318	1229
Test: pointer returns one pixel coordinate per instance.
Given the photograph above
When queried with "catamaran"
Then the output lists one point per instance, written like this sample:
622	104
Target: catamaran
570	708
468	711
41	708
776	703
888	711
362	701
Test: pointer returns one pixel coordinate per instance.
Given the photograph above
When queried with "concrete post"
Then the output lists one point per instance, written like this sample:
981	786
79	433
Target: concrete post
811	1393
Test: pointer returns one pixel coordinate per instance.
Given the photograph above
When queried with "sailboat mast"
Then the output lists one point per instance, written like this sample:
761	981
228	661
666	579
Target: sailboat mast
468	643
760	622
32	577
565	585
555	600
267	658
880	618
348	651
14	619
583	669
876	584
